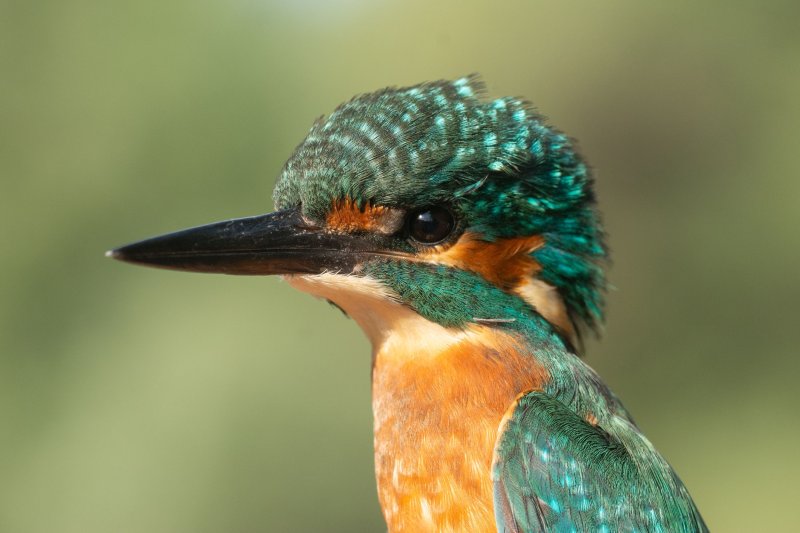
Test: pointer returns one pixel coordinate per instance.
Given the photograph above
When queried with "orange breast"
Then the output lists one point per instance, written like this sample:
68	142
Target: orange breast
436	422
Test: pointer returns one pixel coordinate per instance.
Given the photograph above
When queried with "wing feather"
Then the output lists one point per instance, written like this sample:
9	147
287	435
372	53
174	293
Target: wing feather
555	472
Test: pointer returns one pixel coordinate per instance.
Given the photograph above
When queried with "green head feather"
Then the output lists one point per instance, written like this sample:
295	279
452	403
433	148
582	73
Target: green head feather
496	164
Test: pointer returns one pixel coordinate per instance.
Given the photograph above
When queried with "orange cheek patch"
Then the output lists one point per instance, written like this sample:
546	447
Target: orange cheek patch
346	216
505	262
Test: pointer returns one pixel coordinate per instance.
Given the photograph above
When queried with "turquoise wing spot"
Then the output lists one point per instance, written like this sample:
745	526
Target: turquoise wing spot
555	472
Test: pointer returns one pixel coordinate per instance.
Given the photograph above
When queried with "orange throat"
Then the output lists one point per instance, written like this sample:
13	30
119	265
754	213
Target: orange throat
438	398
436	422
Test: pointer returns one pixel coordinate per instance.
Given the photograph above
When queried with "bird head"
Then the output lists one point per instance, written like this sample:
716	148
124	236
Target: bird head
428	199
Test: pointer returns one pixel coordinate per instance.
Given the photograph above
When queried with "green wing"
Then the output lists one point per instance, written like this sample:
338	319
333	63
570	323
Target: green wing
556	472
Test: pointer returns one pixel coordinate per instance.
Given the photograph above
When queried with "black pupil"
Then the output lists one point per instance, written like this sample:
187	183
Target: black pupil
432	225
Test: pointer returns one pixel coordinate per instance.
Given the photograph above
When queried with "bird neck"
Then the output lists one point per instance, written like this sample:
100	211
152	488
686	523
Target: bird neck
437	414
439	395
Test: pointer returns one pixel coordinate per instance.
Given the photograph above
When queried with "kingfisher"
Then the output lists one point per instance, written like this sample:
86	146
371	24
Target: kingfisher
462	235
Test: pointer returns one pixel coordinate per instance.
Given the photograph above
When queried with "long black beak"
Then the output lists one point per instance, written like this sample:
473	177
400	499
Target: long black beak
276	243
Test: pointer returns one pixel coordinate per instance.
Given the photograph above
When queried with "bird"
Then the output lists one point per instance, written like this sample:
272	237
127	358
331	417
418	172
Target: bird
462	234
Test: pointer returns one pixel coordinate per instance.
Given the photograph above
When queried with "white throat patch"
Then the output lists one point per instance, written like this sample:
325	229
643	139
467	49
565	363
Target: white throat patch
390	326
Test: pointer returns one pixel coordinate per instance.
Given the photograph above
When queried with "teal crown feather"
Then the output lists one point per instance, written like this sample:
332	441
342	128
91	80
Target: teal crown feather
497	163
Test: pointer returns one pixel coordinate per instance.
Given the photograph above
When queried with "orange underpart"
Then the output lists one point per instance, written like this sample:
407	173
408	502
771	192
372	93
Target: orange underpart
346	216
504	262
436	424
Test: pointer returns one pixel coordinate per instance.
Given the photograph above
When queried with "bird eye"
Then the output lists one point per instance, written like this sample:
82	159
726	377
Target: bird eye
430	225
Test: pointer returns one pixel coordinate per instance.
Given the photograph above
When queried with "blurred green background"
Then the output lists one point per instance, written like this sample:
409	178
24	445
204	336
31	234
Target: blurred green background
136	400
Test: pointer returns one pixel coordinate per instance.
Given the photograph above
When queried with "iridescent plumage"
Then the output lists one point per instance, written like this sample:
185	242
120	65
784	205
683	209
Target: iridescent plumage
497	163
507	174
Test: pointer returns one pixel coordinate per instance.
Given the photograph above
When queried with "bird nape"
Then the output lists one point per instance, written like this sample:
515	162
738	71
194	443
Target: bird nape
461	234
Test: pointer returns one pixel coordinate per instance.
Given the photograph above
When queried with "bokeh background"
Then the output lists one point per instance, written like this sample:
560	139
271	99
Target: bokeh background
135	400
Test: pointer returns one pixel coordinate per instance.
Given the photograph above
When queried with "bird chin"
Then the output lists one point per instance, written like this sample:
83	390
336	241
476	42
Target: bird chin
390	325
364	299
